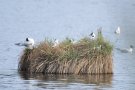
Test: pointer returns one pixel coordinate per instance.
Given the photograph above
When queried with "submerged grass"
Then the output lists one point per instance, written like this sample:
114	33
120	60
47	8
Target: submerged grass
84	56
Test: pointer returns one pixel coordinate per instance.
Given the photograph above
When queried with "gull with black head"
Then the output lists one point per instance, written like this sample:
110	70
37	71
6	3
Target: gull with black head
92	36
126	50
28	43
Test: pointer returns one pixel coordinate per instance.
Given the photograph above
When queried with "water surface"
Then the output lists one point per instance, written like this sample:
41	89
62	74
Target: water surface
66	18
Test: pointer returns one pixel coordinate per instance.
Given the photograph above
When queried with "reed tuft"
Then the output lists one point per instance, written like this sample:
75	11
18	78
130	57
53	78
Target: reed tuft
84	56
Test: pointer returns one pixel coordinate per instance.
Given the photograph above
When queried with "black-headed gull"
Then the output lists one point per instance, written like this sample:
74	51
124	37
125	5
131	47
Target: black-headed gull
126	50
74	41
29	43
56	42
92	35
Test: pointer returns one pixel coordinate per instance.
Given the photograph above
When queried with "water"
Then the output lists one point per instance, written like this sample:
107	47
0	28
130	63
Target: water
66	18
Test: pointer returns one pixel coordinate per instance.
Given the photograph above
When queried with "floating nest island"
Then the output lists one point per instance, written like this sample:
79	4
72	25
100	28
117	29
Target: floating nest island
86	56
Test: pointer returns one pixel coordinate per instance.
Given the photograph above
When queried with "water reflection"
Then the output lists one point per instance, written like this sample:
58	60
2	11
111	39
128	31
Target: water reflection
55	80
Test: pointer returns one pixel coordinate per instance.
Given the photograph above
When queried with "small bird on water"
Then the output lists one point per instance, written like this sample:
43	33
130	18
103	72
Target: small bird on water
29	43
126	50
117	31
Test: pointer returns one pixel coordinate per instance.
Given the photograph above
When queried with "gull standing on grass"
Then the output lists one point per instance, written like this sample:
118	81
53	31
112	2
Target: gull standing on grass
73	41
29	43
92	36
56	42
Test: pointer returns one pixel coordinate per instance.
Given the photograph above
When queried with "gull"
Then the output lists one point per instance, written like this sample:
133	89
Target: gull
56	42
92	36
117	31
127	50
29	43
73	41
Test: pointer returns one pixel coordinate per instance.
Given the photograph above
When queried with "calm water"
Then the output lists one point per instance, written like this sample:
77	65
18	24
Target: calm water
66	18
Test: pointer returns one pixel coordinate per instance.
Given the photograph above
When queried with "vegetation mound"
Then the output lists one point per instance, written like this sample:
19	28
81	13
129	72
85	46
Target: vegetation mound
84	56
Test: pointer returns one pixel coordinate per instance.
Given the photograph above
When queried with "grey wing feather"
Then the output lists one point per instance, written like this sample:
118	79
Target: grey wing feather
21	44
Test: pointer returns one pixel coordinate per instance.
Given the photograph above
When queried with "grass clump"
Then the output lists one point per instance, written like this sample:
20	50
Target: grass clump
84	56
